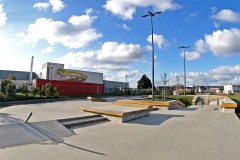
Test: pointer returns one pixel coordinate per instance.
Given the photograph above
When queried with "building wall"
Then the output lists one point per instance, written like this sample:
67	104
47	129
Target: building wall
228	89
18	83
51	71
72	88
114	84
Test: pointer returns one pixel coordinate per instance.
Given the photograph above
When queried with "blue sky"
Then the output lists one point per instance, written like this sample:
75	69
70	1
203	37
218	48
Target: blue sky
110	36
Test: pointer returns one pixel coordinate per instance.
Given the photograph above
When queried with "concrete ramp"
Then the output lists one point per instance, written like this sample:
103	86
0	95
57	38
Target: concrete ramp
22	133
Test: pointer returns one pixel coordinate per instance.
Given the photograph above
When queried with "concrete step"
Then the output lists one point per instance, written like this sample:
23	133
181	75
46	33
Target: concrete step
78	121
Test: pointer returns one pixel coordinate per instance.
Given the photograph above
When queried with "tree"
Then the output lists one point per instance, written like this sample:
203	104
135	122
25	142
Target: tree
23	89
144	83
164	81
8	87
34	91
50	90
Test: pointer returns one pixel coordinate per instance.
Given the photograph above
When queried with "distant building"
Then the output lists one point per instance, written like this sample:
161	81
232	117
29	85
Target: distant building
230	89
67	81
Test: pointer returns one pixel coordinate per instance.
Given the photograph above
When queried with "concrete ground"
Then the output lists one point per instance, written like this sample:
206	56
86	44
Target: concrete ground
194	133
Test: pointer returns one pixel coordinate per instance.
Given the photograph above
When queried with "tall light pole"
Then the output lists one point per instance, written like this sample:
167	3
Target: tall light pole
151	15
126	80
184	47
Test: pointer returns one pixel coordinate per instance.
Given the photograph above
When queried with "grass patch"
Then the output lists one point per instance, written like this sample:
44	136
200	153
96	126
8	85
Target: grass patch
236	98
187	100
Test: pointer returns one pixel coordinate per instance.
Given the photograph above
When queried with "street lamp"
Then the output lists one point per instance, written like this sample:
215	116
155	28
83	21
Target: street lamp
184	47
126	80
151	15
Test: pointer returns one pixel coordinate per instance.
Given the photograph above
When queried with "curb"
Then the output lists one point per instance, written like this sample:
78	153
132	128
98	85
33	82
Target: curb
7	104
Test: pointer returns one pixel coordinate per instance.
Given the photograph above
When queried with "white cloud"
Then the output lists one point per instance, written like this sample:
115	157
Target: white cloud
103	67
3	16
200	46
57	5
75	34
219	76
227	15
224	43
41	6
159	40
115	53
48	50
79	60
130	73
220	43
112	56
126	8
191	55
126	27
89	11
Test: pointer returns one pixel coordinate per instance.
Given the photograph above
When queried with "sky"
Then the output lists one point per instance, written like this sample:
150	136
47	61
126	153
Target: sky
112	37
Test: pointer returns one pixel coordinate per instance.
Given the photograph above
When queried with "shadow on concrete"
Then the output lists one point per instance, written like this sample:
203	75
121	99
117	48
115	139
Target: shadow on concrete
188	109
15	132
57	141
86	125
6	118
154	119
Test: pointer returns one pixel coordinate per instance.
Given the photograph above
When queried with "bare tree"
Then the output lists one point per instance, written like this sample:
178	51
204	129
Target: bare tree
164	81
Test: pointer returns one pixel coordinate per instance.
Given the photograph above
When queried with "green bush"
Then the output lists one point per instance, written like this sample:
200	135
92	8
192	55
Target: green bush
48	90
23	89
34	91
8	88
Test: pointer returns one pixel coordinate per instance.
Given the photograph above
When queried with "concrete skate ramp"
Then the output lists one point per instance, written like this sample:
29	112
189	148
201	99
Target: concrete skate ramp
22	133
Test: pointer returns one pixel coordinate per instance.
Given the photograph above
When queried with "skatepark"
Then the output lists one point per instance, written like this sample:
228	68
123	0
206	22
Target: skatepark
83	129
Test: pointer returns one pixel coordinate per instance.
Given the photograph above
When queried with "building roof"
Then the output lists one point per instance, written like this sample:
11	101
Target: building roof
17	75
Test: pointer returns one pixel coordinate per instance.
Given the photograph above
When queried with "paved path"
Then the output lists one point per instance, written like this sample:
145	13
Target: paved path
192	134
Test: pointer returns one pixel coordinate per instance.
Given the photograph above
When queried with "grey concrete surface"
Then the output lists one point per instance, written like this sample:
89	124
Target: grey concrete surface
195	133
22	133
44	111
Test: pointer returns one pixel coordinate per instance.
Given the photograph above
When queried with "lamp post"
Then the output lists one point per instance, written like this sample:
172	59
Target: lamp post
151	15
184	47
126	80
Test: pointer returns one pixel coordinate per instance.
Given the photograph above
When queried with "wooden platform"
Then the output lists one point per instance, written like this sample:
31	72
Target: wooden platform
150	104
118	113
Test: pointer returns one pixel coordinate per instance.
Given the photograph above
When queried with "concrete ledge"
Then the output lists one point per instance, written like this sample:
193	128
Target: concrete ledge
228	105
161	105
149	107
105	112
96	99
118	114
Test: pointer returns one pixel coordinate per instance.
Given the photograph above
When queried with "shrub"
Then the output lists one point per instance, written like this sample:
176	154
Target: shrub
8	87
34	91
23	89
